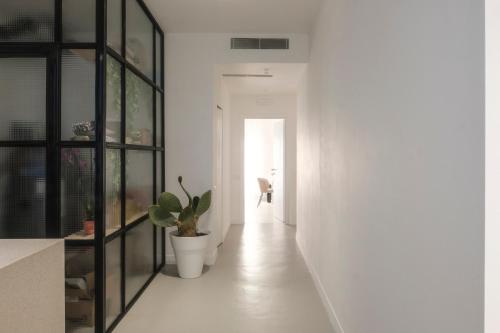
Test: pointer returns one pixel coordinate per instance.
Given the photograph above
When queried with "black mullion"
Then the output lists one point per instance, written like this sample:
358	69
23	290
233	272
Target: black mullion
148	13
123	157
137	72
100	162
58	21
52	200
36	143
76	45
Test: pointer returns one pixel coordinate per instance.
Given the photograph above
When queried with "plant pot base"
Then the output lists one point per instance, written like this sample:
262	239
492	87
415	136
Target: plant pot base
189	254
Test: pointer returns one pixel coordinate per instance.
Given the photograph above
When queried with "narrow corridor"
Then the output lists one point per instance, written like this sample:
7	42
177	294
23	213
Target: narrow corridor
260	283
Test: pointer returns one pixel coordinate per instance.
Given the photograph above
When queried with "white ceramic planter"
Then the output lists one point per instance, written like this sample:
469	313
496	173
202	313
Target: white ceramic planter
189	254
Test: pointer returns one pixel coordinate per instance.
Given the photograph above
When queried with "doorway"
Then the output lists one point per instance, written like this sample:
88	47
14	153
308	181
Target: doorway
264	165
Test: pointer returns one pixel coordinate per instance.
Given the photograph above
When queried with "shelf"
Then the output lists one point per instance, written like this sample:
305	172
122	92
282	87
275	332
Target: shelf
80	235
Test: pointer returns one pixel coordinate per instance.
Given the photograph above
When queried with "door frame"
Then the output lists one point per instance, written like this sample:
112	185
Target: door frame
285	168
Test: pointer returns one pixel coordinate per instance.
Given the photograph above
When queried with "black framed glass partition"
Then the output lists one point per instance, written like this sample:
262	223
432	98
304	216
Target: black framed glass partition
81	145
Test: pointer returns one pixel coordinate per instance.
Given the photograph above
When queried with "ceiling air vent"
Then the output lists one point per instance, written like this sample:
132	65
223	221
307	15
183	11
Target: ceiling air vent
260	43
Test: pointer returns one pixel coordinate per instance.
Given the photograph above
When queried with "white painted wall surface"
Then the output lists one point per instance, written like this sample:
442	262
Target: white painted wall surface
261	107
492	228
190	62
391	165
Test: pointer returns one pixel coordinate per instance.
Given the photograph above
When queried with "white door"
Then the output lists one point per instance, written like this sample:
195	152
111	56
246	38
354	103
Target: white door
278	171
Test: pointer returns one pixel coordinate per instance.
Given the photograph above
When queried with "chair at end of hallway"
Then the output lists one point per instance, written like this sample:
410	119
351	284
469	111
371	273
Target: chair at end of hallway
265	188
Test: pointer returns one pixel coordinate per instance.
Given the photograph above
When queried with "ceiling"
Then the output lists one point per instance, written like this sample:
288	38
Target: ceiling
285	78
235	16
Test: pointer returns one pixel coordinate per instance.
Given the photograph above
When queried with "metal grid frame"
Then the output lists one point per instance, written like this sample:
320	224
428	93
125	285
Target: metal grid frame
52	52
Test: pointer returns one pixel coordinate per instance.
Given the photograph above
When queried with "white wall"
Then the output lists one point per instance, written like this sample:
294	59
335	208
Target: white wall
261	107
492	232
191	61
391	165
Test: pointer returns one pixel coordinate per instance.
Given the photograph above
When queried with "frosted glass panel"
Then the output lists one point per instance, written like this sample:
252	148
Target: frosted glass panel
158	58
114	10
78	21
80	289
139	39
77	192
27	21
113	190
159	120
22	192
139	187
78	95
22	98
138	258
139	111
113	100
113	280
159	246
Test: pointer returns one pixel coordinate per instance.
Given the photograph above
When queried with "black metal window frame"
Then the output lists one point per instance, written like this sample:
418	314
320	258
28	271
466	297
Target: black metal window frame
52	52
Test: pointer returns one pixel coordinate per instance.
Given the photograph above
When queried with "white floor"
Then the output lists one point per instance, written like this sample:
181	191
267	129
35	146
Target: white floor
261	214
259	284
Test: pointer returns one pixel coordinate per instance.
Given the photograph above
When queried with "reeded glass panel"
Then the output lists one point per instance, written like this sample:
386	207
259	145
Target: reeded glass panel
139	39
27	21
22	192
80	289
113	280
78	95
22	98
158	58
139	111
78	19
138	258
113	190
159	171
159	246
113	100
77	192
139	187
159	120
114	10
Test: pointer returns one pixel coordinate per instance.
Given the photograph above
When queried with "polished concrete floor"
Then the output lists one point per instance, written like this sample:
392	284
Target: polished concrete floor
259	284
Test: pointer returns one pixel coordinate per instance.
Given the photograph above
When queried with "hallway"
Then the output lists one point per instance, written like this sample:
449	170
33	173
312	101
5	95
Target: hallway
259	284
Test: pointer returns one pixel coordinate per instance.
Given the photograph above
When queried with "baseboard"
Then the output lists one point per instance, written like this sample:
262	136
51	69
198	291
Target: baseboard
210	259
332	316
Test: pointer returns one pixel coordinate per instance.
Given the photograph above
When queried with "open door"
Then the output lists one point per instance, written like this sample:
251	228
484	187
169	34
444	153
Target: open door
278	171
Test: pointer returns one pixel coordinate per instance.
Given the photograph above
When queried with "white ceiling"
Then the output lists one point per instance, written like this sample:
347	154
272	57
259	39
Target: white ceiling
235	16
285	78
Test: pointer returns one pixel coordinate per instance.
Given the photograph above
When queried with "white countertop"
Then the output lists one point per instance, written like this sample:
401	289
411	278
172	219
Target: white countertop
12	250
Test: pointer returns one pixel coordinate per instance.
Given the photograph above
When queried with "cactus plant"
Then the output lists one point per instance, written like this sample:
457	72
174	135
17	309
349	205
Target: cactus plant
169	211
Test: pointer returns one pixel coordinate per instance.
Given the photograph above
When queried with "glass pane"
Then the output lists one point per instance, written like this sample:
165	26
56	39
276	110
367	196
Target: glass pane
77	192
22	98
159	246
158	58
159	178
113	280
139	39
113	190
80	289
22	192
159	120
78	19
139	111
139	171
113	100
138	258
27	21
78	95
114	10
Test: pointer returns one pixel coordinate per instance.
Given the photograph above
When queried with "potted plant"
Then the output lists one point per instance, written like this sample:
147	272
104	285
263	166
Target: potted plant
189	244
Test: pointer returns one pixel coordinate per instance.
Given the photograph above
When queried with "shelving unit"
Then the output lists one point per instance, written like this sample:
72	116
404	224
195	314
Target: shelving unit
82	145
